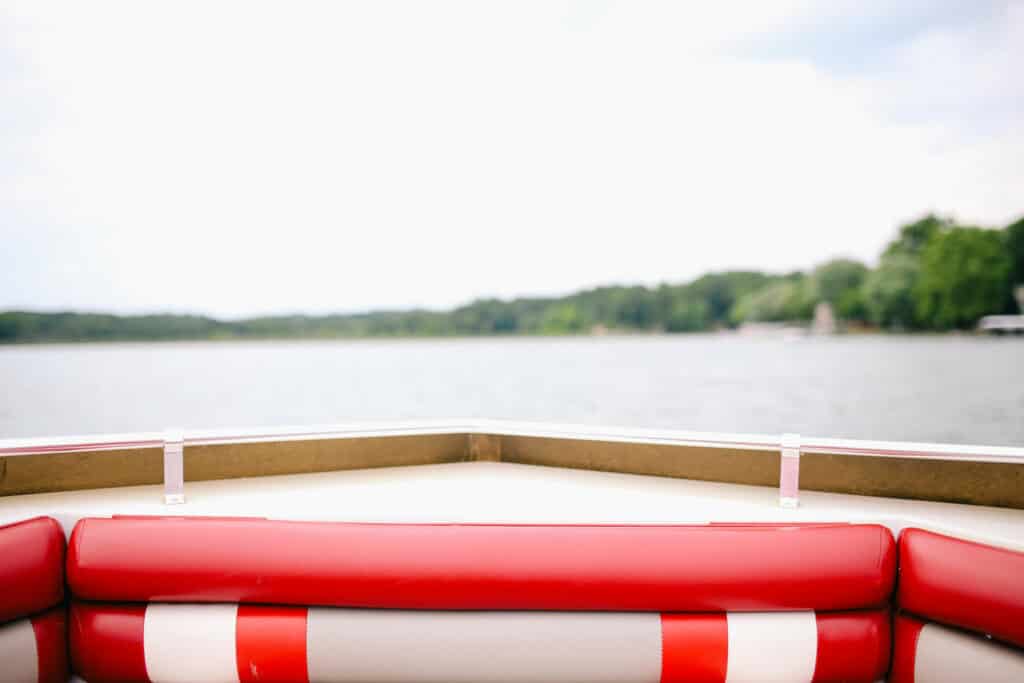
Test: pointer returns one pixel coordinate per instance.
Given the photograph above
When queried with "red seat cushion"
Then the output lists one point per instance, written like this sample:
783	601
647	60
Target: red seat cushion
966	584
31	567
618	568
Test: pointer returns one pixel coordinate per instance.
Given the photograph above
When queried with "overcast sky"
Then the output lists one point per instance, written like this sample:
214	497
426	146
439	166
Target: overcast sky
230	159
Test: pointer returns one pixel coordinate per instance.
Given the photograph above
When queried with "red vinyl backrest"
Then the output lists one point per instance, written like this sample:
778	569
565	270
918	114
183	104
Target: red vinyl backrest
31	568
962	583
436	566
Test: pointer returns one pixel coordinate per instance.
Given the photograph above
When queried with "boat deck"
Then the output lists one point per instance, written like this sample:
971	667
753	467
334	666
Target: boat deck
490	492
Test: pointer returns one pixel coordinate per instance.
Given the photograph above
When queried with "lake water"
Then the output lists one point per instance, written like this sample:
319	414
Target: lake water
945	389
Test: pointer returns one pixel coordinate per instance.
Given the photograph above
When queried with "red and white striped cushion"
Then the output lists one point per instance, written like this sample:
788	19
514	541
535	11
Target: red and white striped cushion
962	583
34	650
925	652
223	643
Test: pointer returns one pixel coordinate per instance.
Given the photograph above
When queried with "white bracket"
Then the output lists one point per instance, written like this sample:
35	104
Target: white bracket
174	467
789	471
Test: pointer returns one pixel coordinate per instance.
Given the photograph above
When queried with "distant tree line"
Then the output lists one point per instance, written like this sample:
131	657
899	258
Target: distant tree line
935	275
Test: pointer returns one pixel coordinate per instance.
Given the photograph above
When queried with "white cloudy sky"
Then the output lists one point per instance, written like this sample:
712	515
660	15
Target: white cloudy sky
236	158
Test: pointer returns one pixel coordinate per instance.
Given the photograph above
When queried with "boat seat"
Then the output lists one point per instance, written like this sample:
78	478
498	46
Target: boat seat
961	611
208	600
33	621
442	602
961	583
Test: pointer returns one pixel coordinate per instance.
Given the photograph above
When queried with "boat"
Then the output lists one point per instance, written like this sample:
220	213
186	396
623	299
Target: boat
1002	324
1006	324
478	550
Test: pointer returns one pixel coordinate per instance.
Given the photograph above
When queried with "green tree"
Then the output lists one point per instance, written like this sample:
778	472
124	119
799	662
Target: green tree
780	301
635	308
721	291
562	319
965	274
913	237
889	291
687	315
839	283
1015	246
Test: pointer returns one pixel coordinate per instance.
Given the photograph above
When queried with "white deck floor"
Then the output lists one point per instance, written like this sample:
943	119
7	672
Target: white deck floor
503	492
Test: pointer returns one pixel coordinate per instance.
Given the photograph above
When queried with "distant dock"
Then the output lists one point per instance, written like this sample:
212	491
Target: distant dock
1002	324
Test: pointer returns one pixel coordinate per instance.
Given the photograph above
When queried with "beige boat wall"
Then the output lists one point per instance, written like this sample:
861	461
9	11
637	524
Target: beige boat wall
960	474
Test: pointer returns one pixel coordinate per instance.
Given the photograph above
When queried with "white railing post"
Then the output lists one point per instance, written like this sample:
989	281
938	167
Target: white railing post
789	471
174	467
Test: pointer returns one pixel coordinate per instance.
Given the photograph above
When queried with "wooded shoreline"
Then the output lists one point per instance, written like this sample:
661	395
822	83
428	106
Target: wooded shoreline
935	276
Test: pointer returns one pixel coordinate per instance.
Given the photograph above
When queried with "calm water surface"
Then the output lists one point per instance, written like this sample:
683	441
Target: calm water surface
946	389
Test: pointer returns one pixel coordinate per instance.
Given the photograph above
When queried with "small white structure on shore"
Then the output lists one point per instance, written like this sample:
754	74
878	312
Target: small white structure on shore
1006	324
824	319
1000	324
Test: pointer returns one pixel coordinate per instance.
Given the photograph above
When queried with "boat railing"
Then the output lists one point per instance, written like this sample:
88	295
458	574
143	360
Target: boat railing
686	454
